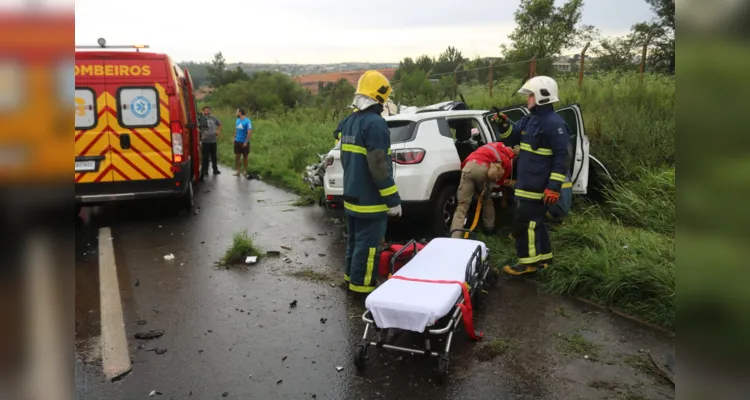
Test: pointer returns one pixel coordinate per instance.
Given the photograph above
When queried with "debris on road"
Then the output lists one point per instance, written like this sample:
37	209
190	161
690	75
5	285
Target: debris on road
322	254
287	260
169	256
251	260
279	381
160	350
286	247
323	320
225	394
273	253
283	358
339	369
154	393
141	322
149	335
293	304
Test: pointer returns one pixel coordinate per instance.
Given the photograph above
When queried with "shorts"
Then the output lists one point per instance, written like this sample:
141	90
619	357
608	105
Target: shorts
239	149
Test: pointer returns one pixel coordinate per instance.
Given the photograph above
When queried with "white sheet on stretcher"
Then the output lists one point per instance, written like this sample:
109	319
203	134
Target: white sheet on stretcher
416	305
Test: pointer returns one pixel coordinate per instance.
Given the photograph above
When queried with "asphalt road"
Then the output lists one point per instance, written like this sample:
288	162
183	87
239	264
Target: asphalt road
231	333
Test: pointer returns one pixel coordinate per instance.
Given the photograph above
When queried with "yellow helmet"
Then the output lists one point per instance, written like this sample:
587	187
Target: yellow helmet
374	85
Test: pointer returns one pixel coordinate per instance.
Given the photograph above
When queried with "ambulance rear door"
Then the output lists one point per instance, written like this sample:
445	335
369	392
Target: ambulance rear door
140	134
93	161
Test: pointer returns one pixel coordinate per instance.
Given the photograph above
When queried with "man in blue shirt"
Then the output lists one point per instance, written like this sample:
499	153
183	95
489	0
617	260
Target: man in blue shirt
242	134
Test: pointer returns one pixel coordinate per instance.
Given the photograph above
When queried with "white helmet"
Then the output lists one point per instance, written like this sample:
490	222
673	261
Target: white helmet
543	88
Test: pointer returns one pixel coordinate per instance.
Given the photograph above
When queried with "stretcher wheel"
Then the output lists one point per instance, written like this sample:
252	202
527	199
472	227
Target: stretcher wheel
359	356
442	371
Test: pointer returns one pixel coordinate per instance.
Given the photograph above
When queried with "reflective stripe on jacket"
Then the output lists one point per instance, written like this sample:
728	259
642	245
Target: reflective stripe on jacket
367	194
544	139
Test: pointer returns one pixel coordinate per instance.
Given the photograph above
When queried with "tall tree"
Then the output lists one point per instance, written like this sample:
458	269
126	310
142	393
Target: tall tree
543	30
615	54
424	63
216	70
661	35
448	60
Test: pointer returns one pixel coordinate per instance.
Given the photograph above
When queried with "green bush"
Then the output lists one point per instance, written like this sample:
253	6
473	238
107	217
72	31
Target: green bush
600	259
649	202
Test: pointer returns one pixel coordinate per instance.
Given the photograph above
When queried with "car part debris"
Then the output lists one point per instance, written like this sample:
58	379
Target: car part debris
149	335
169	256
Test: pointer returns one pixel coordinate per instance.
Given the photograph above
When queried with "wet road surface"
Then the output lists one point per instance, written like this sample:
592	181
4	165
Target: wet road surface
231	333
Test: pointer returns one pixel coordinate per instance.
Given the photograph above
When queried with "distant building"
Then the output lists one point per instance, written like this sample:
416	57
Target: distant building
563	64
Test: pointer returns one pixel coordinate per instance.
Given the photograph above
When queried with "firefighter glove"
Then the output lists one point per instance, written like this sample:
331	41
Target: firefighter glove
550	197
395	211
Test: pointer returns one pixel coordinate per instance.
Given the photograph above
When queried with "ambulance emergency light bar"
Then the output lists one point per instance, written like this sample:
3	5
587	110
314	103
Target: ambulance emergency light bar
103	44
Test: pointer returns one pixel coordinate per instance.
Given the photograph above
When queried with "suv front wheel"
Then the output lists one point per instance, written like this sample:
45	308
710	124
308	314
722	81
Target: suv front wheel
443	209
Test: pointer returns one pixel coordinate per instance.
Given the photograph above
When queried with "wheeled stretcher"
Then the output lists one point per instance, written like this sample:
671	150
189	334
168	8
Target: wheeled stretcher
430	295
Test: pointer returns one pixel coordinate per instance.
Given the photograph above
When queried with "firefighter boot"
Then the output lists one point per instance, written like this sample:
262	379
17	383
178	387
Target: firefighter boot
520	269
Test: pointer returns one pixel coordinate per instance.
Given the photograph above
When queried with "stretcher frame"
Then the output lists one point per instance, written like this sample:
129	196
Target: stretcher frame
483	277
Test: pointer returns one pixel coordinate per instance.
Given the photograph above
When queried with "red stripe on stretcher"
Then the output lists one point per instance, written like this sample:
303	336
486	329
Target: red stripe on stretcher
466	310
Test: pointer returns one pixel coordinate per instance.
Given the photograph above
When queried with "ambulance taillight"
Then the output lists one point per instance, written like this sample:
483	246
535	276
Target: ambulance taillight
177	146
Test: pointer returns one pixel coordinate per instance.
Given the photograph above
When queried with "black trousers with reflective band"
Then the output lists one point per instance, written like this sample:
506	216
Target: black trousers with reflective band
208	150
530	231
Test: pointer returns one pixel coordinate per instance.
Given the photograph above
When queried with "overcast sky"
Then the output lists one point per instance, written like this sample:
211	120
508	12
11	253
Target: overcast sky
322	31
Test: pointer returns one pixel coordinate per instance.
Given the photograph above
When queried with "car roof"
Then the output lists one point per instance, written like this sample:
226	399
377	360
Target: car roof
435	114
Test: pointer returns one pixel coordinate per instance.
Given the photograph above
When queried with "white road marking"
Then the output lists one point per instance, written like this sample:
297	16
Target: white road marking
115	353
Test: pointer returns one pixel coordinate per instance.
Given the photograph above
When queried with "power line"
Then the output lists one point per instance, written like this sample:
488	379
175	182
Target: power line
493	66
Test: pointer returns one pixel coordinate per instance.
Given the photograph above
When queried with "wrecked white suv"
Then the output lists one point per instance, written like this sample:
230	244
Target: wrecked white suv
427	148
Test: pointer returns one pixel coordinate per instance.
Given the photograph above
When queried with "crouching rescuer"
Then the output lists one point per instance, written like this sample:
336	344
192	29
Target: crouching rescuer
544	139
486	167
370	194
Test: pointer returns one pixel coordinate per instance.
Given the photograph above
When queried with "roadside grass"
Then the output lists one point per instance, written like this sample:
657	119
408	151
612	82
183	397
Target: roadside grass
577	344
496	347
600	259
619	253
643	364
281	147
310	274
241	248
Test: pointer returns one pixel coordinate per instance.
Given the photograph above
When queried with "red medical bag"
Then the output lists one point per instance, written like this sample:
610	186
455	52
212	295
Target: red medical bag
384	268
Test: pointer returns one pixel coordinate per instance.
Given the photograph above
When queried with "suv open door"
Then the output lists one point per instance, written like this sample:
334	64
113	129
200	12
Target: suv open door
514	113
579	163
